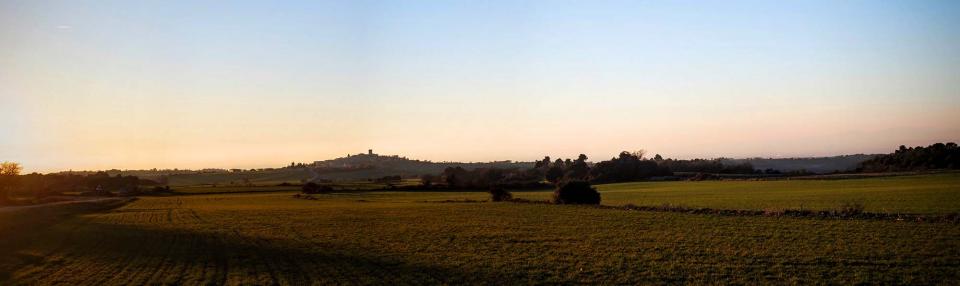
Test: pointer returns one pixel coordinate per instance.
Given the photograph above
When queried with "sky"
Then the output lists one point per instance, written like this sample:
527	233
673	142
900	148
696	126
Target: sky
195	84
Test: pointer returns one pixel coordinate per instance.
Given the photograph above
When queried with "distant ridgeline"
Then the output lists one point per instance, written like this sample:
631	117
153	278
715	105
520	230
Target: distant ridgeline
636	166
370	165
843	163
625	166
936	156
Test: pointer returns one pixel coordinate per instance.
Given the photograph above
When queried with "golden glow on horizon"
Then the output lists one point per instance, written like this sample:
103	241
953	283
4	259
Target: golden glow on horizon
141	85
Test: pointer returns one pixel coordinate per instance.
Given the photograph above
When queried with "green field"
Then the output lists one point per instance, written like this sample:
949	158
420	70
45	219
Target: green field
414	238
920	194
271	177
340	186
206	189
938	193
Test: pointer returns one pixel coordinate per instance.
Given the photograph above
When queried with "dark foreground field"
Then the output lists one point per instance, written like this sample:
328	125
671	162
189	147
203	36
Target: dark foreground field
412	238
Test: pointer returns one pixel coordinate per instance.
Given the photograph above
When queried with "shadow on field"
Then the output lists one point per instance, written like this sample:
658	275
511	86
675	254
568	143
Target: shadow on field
100	253
22	226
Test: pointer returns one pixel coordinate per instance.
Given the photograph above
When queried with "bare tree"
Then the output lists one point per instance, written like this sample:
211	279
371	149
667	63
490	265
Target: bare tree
8	179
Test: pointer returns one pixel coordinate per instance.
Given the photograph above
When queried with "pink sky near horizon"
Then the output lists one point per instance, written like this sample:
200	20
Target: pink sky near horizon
144	84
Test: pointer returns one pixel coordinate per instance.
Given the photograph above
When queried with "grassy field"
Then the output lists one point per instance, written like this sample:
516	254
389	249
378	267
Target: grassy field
271	177
412	238
921	194
350	185
938	193
206	189
266	238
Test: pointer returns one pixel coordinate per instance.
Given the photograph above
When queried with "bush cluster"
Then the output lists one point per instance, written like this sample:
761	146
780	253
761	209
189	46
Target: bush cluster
576	192
482	178
314	188
498	194
935	156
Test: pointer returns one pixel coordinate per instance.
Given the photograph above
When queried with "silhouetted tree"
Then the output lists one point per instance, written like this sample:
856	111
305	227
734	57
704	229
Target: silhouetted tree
545	163
427	180
626	167
9	172
578	170
576	192
456	177
481	178
489	177
935	156
498	194
554	173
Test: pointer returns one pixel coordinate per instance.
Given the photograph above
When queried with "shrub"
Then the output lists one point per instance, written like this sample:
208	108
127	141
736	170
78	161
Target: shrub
576	192
498	194
311	188
314	188
774	212
159	189
850	209
704	177
389	179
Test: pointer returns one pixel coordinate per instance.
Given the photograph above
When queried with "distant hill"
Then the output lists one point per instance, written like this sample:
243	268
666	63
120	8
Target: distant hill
351	167
367	166
372	166
815	165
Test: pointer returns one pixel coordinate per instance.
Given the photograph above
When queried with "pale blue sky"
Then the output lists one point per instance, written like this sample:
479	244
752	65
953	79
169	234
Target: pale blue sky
138	84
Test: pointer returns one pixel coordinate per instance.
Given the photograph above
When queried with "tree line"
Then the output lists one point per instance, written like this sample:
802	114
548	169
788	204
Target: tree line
627	166
935	156
634	166
43	185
